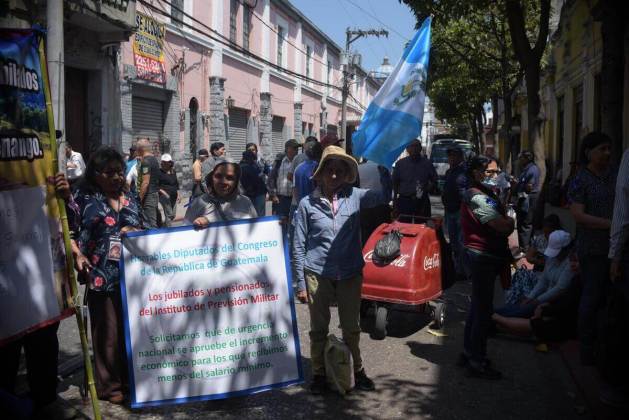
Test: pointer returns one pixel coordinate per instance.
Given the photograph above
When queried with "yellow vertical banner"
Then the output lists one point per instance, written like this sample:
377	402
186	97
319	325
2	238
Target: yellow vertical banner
34	265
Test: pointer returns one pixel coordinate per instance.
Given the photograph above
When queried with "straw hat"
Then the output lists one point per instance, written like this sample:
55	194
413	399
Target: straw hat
335	152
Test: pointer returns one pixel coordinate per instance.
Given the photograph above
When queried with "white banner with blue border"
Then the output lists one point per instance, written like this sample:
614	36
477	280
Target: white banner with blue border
208	313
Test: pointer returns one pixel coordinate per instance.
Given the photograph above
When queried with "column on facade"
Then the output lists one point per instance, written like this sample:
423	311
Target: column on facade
126	106
217	119
266	118
297	120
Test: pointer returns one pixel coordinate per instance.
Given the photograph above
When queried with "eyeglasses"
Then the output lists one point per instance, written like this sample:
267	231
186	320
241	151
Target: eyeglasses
111	174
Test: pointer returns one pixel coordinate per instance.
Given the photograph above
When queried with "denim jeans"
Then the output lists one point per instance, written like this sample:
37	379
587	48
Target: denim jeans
483	272
517	311
525	216
596	284
453	224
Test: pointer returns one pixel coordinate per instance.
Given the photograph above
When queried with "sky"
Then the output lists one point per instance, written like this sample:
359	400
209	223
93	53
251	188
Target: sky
334	16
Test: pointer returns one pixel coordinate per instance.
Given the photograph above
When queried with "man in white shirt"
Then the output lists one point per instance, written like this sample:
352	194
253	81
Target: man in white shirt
75	165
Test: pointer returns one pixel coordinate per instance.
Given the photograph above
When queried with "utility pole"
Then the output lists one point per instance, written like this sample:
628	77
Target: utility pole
352	35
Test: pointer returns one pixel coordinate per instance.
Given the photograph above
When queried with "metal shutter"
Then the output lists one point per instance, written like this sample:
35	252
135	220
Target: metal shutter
277	135
147	117
237	136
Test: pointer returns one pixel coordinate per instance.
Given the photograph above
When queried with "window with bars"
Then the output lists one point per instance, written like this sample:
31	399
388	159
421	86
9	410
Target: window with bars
176	13
233	14
280	46
246	26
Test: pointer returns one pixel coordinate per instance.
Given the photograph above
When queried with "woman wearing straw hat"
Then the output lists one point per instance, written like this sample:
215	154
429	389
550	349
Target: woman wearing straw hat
328	258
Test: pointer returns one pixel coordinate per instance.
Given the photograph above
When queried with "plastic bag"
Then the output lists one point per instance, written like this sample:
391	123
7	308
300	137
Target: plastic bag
388	248
339	367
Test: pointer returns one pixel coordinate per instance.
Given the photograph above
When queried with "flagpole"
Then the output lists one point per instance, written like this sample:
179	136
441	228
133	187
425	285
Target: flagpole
67	244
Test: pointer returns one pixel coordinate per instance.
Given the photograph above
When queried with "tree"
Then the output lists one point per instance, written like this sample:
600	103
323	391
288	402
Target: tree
613	29
530	59
511	23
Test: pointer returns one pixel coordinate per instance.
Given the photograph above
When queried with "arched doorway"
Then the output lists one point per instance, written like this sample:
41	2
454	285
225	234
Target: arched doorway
193	108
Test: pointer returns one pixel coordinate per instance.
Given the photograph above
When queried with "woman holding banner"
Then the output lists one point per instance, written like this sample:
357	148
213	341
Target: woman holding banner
328	258
222	202
103	212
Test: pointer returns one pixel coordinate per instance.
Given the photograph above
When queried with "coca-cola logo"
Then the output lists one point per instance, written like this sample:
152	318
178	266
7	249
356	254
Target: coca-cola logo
400	261
431	262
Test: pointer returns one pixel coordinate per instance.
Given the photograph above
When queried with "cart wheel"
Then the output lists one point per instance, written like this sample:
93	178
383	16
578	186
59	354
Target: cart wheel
365	305
380	326
439	315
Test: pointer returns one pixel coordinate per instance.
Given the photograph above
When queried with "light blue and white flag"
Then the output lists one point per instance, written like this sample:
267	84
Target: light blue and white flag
394	117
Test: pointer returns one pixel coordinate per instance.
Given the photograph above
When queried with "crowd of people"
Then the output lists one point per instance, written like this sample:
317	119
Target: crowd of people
328	205
562	286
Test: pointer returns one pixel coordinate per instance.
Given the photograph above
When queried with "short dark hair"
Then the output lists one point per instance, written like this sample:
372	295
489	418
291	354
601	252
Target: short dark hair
98	161
313	150
589	142
203	152
528	155
475	164
215	146
251	145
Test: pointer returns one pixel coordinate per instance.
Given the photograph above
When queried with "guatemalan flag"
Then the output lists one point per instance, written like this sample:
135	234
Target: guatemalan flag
394	117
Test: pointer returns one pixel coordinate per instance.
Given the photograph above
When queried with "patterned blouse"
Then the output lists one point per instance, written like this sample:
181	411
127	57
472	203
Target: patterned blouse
96	227
597	196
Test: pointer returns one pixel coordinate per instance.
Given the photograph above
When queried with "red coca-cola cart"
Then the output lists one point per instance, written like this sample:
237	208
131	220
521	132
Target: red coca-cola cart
417	277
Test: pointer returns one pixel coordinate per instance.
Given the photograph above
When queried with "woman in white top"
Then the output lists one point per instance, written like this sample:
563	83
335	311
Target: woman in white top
222	202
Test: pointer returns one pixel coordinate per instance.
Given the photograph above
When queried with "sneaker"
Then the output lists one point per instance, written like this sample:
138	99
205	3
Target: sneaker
484	372
318	385
362	382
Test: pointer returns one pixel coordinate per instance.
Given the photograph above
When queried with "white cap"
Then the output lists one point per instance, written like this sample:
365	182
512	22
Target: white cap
557	241
167	158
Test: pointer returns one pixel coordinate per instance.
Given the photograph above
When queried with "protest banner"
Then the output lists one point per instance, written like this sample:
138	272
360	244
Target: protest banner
208	313
148	49
34	275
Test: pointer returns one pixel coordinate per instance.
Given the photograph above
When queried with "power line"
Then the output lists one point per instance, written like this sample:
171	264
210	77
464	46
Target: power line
283	37
406	39
352	19
227	42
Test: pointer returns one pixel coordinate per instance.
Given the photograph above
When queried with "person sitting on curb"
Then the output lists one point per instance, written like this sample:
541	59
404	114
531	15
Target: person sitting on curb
556	277
524	279
551	321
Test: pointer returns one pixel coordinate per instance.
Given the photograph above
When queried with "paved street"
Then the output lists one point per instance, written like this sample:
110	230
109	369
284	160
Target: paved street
413	369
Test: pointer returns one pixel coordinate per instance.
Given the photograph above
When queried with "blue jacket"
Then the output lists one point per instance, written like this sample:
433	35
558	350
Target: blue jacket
329	244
